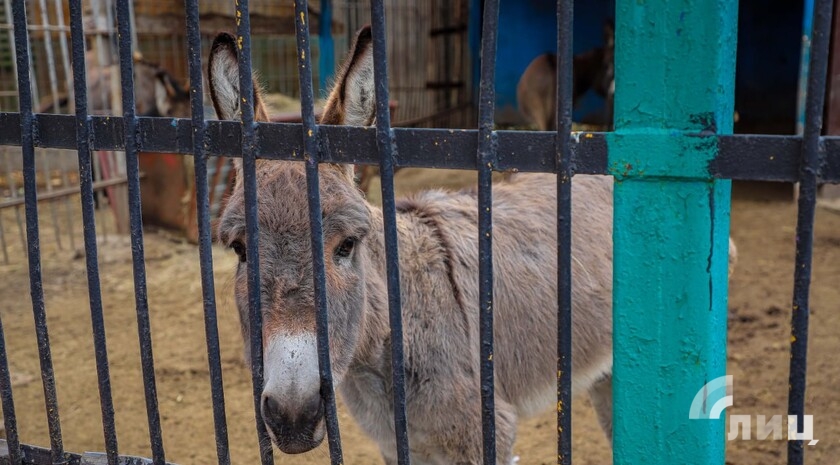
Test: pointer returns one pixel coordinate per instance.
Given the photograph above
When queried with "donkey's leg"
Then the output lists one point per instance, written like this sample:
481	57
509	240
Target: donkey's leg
506	420
458	433
601	394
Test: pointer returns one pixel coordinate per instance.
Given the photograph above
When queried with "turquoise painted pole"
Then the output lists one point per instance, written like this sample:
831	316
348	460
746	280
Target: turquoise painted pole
675	68
326	61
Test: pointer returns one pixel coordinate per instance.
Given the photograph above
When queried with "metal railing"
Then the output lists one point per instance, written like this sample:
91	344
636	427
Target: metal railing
805	159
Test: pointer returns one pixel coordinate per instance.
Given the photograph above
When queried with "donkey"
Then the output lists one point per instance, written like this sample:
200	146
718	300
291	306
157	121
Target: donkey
536	91
438	266
157	92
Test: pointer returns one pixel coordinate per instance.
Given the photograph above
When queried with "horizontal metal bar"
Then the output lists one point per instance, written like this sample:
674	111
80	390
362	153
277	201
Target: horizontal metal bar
741	157
66	192
38	456
31	455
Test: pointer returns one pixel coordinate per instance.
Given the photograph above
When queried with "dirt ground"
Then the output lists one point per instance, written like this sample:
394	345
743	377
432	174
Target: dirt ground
759	337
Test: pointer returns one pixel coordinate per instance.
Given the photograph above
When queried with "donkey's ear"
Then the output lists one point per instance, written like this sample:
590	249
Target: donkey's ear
352	100
166	91
609	33
163	100
223	77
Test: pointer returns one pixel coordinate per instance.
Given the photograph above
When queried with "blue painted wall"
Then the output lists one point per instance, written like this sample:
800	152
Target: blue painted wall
767	68
769	41
528	28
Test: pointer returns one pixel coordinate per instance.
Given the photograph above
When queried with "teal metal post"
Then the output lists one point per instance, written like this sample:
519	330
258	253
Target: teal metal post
675	68
326	45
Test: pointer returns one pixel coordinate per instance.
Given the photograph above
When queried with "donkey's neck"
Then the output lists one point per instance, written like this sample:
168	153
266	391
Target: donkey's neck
374	343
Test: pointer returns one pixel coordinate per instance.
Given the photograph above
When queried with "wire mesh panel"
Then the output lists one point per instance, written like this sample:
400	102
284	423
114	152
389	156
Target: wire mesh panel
311	180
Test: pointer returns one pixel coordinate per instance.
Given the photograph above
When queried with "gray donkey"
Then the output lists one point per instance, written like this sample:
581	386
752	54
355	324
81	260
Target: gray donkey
438	261
156	91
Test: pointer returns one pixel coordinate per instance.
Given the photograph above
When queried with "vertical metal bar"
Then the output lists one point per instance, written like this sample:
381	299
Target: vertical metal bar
312	155
10	178
134	42
102	23
387	150
27	131
3	242
671	222
65	61
809	166
62	41
9	416
205	244
45	158
486	157
83	145
50	55
565	23
249	178
136	228
46	154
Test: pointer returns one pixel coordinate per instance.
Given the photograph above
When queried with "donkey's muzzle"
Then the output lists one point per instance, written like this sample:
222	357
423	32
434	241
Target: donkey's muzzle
296	427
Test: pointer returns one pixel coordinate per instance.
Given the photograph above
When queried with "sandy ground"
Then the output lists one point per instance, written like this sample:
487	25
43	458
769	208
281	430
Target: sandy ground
759	307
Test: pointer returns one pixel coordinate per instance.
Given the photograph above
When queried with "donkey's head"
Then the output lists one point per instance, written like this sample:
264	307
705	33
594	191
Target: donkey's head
157	92
171	99
292	406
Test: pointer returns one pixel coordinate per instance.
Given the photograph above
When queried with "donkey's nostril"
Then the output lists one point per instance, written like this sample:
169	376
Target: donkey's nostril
270	407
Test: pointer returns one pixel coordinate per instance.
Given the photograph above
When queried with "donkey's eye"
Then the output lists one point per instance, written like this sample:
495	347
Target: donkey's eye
345	248
239	248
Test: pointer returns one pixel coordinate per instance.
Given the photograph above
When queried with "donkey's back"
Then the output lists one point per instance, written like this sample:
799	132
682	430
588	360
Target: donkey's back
442	317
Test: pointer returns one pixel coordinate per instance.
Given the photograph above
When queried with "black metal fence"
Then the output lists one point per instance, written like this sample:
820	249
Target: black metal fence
804	159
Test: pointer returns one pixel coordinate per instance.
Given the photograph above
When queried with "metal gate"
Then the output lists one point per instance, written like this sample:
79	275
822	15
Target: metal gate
672	141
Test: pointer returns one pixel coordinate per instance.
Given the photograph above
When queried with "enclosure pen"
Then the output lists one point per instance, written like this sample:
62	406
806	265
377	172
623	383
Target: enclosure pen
672	155
809	167
27	142
83	142
312	157
484	161
386	150
249	175
205	241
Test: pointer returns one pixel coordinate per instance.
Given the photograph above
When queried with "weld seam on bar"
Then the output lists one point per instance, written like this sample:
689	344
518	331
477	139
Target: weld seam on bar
205	244
249	178
809	167
311	155
386	150
563	117
83	143
28	140
136	230
9	416
485	157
